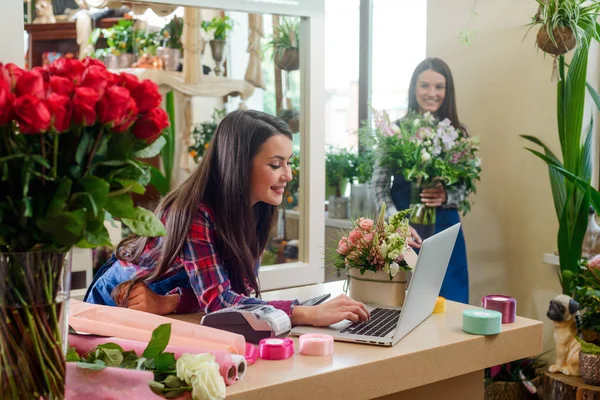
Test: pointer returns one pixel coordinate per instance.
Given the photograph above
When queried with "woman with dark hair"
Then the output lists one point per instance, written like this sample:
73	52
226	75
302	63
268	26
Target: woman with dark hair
218	223
432	90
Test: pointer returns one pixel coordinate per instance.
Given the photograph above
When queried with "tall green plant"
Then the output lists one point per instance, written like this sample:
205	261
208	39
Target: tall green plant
571	204
162	181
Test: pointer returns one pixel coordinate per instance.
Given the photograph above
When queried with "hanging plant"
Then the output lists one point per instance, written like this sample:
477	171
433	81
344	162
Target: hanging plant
285	43
564	24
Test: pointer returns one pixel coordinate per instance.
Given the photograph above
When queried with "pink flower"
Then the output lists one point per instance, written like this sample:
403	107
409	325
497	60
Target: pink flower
355	235
343	246
368	238
365	224
594	262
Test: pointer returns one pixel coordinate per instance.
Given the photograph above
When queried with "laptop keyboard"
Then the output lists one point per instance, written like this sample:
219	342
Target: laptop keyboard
382	322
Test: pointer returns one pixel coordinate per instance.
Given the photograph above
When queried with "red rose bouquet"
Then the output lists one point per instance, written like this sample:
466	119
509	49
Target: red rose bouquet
70	138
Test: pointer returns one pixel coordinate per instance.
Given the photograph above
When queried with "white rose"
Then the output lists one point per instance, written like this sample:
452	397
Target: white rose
207	383
425	156
416	122
188	364
394	268
396	129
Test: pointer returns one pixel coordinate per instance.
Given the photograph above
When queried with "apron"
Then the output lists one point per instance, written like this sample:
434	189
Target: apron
113	273
456	282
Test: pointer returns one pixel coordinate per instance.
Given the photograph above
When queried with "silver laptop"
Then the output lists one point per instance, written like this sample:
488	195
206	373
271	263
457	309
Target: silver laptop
388	325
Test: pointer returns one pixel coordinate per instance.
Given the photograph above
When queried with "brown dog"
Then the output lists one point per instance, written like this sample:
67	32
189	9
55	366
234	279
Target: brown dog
562	312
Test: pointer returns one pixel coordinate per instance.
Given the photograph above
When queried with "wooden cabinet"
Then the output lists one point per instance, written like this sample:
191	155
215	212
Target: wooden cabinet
59	37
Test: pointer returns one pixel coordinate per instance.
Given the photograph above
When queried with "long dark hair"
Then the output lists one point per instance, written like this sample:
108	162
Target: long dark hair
221	181
448	107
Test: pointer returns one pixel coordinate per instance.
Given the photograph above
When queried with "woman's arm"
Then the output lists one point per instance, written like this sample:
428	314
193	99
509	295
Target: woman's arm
380	184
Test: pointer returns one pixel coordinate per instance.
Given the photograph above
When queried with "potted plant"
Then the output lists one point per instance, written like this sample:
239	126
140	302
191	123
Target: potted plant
362	201
290	117
571	204
119	41
69	135
338	172
219	26
285	44
172	50
202	134
515	380
372	254
586	291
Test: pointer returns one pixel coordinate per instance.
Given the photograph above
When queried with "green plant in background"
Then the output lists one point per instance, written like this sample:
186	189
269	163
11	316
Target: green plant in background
585	289
219	26
571	204
119	39
285	36
338	168
467	33
146	42
172	33
362	164
290	196
162	181
203	133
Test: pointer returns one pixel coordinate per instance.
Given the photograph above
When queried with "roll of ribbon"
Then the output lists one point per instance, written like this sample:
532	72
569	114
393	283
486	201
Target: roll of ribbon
314	344
275	349
251	353
440	305
229	372
240	364
504	304
482	322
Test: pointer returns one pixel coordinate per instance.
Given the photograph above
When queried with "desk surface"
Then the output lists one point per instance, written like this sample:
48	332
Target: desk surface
438	349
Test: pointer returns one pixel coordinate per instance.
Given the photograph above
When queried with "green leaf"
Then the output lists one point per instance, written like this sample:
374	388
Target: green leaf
82	148
110	346
159	341
60	196
595	96
588	348
151	150
112	357
131	185
97	365
40	160
97	188
72	355
173	382
159	181
156	387
120	206
120	146
144	223
165	362
65	227
174	394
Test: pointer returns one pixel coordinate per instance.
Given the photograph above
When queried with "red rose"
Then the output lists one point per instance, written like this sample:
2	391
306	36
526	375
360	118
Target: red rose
6	100
32	114
114	106
84	106
129	118
146	96
60	109
128	81
11	73
30	82
44	72
61	85
96	78
89	61
149	126
68	68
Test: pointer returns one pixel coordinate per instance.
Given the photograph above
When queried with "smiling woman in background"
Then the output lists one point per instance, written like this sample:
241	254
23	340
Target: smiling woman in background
432	90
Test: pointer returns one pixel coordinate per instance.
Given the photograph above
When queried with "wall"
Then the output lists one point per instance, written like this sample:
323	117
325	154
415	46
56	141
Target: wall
11	26
504	90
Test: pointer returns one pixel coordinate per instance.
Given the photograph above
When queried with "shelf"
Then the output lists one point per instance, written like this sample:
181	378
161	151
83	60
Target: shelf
211	85
551	258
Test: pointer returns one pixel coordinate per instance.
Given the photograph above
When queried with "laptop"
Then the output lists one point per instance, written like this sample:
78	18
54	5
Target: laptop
388	325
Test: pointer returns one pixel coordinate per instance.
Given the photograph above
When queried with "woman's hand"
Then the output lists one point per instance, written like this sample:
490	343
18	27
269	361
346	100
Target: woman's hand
434	196
142	298
331	312
415	240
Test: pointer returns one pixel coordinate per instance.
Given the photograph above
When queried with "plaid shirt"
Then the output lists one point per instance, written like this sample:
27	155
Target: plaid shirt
209	288
380	184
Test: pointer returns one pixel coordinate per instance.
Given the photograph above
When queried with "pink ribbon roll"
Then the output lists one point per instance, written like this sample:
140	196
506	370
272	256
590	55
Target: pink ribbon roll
506	305
251	353
314	344
275	349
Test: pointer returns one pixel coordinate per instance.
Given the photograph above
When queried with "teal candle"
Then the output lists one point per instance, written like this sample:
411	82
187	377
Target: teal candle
482	322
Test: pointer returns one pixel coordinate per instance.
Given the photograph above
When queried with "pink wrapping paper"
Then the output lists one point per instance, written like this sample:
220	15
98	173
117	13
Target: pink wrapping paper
84	344
125	323
108	384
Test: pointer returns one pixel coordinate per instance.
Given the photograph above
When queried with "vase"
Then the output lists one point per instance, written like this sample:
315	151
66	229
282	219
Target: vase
422	217
171	57
377	288
217	46
34	289
125	60
338	207
111	61
362	201
287	59
589	367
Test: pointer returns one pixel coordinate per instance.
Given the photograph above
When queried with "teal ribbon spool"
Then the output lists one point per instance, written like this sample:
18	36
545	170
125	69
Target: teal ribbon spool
482	322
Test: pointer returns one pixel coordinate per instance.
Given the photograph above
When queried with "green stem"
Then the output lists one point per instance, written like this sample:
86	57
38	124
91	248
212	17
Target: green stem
93	151
55	161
